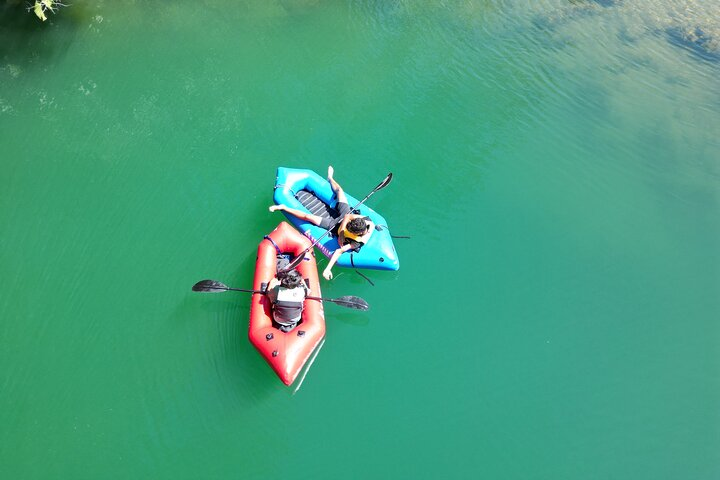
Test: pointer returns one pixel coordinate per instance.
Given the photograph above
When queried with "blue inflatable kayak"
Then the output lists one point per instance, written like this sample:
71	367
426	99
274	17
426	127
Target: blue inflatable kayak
307	191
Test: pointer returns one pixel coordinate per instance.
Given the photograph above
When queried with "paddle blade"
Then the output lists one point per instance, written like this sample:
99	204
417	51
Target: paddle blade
385	182
210	286
351	302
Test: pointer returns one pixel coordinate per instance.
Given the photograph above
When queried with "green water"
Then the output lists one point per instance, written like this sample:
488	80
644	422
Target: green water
556	163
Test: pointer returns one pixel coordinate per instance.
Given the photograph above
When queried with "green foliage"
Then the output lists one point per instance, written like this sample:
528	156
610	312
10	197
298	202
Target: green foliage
43	6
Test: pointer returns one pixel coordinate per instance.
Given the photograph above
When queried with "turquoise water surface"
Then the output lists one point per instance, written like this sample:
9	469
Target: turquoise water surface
556	165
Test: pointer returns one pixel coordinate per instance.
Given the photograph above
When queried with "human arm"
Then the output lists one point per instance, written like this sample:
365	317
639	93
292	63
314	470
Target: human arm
327	273
272	290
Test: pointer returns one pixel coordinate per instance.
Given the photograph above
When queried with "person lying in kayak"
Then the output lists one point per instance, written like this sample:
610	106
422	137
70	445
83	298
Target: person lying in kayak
351	230
287	295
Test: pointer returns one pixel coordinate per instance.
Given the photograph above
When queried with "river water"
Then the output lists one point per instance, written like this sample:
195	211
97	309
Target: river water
557	167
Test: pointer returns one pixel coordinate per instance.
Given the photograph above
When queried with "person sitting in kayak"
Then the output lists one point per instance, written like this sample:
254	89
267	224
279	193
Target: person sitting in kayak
351	230
287	295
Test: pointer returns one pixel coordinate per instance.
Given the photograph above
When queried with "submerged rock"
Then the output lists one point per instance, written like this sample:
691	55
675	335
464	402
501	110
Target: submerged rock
696	40
691	24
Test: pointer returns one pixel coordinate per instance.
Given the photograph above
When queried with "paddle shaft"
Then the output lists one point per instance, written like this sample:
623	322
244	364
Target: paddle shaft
340	302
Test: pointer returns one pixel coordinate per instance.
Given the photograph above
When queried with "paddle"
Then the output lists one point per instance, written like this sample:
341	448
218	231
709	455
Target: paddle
213	286
300	257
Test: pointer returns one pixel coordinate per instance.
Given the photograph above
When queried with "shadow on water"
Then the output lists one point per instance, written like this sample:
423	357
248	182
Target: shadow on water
241	369
359	319
24	38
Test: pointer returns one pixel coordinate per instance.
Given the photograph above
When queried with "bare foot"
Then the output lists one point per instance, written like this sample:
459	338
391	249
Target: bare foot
330	173
275	207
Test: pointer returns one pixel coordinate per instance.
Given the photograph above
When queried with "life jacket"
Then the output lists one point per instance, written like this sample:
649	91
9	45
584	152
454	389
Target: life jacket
349	236
352	236
287	309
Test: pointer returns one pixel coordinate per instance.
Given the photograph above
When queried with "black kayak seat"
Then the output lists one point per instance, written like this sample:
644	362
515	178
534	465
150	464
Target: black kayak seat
315	205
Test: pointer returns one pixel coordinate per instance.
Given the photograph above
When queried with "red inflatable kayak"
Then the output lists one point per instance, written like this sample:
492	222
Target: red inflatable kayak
286	352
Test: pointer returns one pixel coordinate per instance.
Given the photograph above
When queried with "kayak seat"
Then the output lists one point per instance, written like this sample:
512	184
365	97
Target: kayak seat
315	205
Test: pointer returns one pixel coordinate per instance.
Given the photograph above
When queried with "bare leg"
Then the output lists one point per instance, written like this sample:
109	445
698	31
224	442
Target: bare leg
339	192
308	217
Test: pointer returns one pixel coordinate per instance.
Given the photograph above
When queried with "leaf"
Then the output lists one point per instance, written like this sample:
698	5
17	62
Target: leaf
39	11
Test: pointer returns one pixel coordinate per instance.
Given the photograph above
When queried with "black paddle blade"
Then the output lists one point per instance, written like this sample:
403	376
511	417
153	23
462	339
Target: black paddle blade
210	286
351	302
384	183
